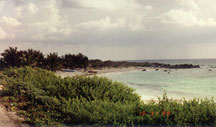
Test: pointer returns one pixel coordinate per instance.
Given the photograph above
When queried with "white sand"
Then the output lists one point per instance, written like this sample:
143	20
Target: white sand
100	71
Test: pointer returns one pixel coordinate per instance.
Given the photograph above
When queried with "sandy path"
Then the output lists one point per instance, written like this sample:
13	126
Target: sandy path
9	119
6	119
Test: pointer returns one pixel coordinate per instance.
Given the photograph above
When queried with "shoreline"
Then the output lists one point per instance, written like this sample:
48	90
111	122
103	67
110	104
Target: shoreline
96	72
117	70
100	72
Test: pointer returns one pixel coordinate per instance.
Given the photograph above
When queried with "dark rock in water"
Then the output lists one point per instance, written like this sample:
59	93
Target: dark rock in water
143	69
68	70
165	70
101	64
156	69
210	69
161	65
92	72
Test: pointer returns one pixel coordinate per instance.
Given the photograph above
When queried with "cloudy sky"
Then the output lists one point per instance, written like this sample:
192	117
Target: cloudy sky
111	29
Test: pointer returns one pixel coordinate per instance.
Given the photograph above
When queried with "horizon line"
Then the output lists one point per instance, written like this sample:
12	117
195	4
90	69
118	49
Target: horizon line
168	59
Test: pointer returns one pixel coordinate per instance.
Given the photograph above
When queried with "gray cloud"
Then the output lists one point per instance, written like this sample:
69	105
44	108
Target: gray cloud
110	29
70	4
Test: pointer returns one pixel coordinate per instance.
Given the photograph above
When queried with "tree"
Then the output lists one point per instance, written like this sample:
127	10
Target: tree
53	62
75	61
11	57
82	61
1	64
96	63
32	58
68	61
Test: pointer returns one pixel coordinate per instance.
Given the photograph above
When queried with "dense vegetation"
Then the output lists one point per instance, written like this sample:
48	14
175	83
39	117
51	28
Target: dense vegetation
45	99
101	64
13	58
48	99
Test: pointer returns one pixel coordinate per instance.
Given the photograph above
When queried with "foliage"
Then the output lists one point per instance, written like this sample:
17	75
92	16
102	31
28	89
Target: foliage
48	99
31	58
196	112
75	61
1	64
13	58
45	99
53	62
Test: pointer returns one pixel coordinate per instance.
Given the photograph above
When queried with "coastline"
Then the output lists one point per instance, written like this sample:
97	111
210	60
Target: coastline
117	70
100	72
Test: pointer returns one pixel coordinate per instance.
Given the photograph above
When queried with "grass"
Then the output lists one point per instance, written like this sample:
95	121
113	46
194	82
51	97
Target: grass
43	98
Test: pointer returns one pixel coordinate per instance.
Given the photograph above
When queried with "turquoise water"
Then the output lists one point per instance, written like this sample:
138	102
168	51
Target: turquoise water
181	83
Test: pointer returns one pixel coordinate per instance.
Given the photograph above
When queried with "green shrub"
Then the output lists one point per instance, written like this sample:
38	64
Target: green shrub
49	99
196	112
46	99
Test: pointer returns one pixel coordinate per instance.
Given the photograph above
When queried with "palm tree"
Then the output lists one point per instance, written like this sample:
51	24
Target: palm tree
75	61
53	62
68	61
1	64
82	61
11	57
32	58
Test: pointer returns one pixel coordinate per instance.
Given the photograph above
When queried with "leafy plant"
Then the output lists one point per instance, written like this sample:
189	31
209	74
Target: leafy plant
46	99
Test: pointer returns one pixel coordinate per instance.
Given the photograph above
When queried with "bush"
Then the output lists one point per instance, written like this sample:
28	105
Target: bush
49	99
46	99
196	112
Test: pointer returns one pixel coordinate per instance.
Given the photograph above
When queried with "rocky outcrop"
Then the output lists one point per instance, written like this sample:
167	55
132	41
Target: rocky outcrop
103	64
177	66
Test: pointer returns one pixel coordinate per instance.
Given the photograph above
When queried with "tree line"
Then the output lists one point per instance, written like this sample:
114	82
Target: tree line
13	57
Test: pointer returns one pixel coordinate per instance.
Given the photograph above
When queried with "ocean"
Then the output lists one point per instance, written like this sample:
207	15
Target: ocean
177	83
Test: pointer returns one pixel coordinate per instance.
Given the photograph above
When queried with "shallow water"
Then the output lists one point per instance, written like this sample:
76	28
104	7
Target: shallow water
181	83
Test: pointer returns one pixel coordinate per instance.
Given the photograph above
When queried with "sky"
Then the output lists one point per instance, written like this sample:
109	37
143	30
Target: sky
111	29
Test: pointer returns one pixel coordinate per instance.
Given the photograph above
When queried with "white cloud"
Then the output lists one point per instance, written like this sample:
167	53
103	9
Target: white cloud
45	20
190	4
190	13
2	4
101	24
48	23
116	22
133	24
148	7
32	8
26	11
9	21
186	18
137	24
2	34
18	11
111	4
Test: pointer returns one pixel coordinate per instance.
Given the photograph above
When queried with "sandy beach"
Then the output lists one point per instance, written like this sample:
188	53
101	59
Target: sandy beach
116	70
99	72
